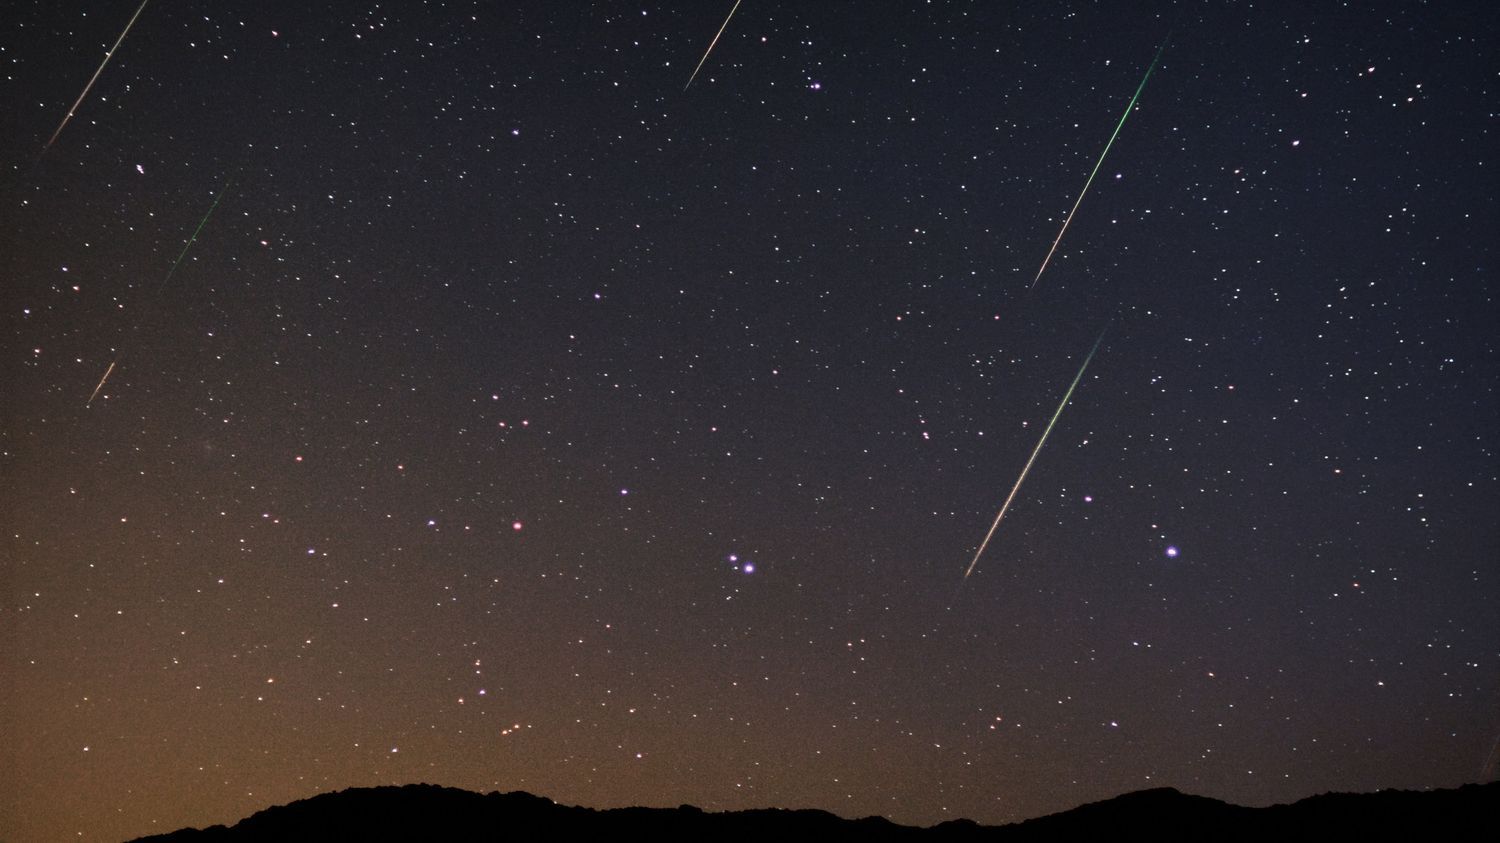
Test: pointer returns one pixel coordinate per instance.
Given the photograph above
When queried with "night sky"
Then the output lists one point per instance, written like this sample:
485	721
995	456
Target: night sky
521	420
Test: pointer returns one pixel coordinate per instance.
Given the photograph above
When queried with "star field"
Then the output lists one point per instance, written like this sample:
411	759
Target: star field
520	420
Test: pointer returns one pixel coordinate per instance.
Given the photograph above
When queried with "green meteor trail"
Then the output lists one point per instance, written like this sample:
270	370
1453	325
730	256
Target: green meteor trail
1100	162
163	283
1037	450
196	232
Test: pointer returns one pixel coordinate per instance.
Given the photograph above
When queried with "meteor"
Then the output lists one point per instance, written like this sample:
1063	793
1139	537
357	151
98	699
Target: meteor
1099	163
107	373
86	88
1037	450
163	283
182	254
711	45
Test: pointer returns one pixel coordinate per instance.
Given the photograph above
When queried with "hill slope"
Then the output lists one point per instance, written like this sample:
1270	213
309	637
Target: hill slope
430	812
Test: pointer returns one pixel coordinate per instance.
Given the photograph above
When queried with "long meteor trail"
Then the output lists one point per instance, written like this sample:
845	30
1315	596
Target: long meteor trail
1037	450
163	283
711	45
1100	162
86	88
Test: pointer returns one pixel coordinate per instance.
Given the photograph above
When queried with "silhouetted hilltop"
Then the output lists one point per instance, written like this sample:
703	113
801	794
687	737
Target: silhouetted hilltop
430	812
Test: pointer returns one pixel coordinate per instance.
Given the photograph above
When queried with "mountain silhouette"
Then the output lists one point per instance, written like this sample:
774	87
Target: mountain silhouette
431	812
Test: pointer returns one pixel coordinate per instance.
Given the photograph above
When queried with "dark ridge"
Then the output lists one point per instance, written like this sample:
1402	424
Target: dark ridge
430	812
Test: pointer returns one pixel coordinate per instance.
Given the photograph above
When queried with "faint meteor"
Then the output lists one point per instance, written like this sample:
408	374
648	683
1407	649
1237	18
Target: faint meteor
711	45
107	56
1037	450
163	283
1100	162
182	254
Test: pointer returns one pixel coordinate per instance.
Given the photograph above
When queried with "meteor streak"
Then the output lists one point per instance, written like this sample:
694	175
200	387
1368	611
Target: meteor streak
1037	450
182	254
86	88
107	373
711	45
1099	163
163	283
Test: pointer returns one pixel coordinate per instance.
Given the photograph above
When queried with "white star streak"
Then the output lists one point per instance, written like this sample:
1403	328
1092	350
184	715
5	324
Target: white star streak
711	45
86	88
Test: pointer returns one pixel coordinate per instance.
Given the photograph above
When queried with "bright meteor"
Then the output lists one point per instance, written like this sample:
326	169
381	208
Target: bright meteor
86	88
711	45
1037	450
107	373
1100	162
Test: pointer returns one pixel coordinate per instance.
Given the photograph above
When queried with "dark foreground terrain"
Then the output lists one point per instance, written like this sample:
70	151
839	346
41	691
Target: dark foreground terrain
429	812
